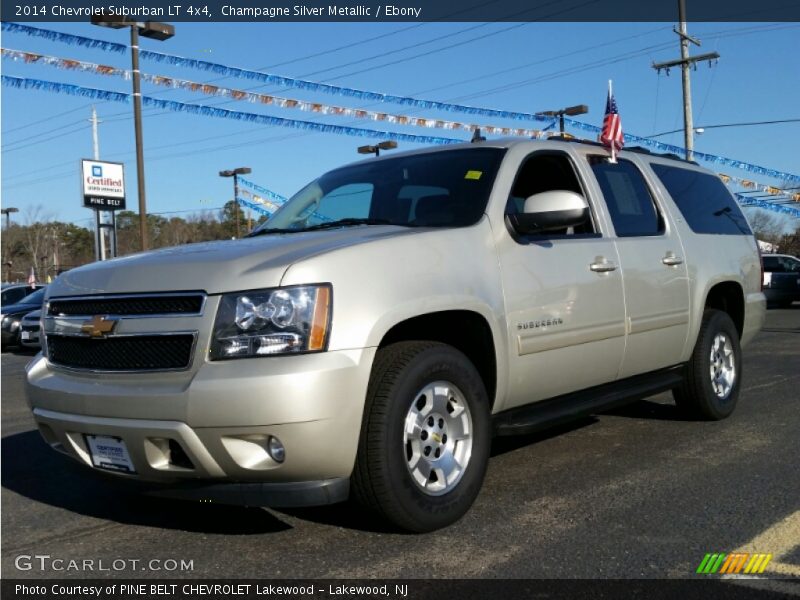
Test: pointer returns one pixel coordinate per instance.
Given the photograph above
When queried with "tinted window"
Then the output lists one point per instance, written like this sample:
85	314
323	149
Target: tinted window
781	264
771	264
703	200
13	295
629	201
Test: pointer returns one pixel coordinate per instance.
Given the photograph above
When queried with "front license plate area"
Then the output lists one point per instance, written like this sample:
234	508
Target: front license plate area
110	453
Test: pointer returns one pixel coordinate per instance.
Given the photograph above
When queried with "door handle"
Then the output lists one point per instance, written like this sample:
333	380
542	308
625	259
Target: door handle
602	267
671	260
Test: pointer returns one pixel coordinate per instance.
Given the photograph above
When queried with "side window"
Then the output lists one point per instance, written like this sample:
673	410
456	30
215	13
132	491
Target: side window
628	198
546	172
772	264
703	200
789	265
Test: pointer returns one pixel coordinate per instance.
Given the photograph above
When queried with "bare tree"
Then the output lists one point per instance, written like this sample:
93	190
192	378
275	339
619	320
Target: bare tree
37	239
766	226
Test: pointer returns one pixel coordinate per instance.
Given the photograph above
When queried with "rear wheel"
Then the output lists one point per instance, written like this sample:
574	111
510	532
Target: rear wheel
711	387
425	440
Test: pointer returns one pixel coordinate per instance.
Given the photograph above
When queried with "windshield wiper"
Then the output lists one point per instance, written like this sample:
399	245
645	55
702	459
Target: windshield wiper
328	225
347	222
267	230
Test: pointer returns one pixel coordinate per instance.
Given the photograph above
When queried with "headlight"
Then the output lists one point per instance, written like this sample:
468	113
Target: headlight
268	322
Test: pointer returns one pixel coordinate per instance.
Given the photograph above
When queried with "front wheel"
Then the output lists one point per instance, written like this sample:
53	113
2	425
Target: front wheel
426	437
713	376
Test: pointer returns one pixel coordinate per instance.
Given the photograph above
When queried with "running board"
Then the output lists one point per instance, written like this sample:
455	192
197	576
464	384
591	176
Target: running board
546	413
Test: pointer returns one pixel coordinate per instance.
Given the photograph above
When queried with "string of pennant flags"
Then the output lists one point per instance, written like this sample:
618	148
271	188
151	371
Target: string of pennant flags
265	206
771	206
266	99
316	107
769	189
360	94
269	197
98	94
213	111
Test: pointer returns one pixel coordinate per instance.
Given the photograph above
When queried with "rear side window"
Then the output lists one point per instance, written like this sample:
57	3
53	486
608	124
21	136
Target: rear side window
703	200
628	198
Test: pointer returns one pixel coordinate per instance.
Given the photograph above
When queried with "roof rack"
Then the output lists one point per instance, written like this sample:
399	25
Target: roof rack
637	149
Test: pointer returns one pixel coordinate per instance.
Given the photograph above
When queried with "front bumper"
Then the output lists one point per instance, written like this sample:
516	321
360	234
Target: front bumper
32	335
8	337
221	419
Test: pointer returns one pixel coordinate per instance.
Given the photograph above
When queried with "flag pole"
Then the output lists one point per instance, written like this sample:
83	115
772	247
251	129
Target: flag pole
613	160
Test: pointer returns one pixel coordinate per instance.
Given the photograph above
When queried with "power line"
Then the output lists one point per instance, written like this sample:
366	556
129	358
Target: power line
612	60
54	137
743	124
50	118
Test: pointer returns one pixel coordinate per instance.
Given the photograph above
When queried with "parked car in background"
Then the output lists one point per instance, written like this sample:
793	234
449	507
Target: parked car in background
781	279
12	316
14	292
29	330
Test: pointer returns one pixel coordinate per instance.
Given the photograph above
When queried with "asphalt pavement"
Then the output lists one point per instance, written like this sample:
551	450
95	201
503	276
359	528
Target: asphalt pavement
635	493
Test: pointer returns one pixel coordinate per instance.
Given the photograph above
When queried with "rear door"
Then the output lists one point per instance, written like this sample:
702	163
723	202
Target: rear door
654	272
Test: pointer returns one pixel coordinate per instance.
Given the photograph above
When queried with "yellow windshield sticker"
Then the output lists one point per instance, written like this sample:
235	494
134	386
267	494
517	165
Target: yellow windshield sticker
473	175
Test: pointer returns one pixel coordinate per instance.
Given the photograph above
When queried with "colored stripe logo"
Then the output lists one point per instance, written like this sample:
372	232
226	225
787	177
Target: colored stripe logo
734	563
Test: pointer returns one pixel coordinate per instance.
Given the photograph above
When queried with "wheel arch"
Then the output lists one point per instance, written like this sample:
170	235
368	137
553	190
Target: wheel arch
728	296
466	330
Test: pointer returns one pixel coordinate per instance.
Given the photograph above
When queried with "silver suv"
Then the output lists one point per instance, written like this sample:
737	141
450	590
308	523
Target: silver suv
393	316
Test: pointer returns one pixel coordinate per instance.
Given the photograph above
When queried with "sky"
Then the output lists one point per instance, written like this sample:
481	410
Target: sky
527	67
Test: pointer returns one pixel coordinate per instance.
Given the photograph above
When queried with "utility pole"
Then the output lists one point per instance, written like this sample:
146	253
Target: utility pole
102	216
100	246
685	63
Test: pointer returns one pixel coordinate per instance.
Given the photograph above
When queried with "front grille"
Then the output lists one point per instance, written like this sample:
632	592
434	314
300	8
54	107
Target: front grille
124	353
183	304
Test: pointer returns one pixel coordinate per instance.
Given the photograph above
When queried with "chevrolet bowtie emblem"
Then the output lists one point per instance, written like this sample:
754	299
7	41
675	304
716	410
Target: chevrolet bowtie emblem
98	326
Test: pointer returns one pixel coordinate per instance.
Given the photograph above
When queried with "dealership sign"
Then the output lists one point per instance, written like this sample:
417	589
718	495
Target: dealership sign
103	185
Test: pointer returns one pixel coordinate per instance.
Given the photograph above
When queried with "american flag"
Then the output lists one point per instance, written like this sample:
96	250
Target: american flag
611	135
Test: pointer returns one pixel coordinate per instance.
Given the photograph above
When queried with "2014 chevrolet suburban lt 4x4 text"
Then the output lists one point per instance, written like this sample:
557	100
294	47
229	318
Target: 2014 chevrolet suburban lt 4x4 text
374	334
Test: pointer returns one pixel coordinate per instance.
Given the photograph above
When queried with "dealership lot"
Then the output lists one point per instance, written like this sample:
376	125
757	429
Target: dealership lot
637	492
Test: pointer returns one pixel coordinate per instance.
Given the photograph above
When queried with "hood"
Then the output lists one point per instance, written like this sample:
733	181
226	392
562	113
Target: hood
214	267
13	309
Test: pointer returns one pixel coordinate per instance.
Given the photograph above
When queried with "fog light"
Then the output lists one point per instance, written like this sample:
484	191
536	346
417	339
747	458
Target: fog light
276	450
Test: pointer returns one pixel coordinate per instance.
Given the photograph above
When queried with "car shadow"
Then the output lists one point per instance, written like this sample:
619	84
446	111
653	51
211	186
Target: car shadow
509	443
31	469
647	409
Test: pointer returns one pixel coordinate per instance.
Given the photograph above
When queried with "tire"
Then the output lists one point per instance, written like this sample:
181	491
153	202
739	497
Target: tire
713	378
418	392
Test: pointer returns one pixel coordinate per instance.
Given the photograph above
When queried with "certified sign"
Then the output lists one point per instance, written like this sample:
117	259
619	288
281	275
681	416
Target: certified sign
103	185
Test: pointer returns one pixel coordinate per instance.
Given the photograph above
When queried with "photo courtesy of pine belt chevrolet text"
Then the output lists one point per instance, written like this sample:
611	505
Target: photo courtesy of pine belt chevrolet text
371	338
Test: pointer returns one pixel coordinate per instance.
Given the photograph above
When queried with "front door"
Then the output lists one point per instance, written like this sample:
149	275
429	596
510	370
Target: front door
563	294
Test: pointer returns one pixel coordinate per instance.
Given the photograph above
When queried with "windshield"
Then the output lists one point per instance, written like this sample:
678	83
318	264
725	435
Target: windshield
443	189
36	297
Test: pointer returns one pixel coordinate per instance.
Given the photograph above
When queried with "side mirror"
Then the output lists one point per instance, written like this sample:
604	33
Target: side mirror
547	211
